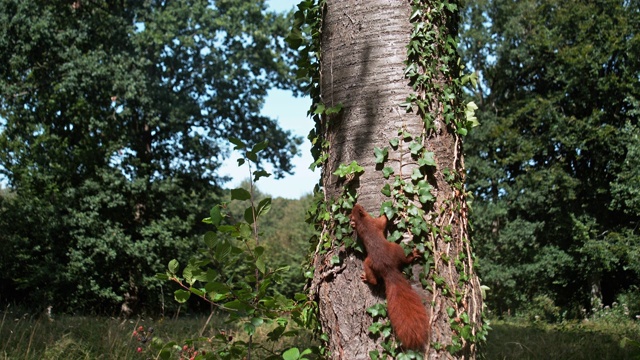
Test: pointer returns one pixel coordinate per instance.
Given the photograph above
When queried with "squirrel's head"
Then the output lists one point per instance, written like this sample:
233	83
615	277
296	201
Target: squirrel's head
357	213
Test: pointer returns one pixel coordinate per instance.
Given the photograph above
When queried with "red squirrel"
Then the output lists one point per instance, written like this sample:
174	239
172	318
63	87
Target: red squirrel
408	315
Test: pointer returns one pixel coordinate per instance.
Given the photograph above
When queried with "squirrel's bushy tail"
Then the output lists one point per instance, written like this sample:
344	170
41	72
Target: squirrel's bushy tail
408	315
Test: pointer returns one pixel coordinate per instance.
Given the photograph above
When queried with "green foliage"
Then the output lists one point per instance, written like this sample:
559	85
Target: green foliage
349	170
231	274
553	166
431	57
305	37
112	115
284	234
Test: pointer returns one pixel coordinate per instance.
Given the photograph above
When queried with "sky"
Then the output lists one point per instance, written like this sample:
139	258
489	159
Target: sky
291	114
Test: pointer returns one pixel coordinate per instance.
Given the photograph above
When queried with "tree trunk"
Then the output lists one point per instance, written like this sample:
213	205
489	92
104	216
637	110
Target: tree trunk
363	54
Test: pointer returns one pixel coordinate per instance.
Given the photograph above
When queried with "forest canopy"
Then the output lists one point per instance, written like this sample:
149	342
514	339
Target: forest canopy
554	166
115	117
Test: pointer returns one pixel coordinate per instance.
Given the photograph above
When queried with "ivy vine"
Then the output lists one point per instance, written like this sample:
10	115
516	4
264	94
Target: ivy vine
436	75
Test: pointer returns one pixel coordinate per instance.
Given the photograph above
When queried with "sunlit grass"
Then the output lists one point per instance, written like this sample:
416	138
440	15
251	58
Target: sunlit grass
600	339
24	336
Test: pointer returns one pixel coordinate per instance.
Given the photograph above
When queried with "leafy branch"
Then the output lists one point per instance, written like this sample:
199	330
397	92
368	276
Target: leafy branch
231	274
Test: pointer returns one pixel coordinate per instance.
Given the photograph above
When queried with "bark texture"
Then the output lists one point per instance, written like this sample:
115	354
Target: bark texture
362	67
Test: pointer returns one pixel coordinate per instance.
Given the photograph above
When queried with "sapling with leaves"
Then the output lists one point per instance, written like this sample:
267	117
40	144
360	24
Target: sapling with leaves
230	273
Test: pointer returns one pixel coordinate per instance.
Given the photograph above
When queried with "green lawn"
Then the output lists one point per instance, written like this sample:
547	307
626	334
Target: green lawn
84	337
79	337
588	340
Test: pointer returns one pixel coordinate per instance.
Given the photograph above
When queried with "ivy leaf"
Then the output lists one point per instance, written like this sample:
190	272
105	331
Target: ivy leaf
388	209
415	148
319	109
465	333
377	310
451	312
414	211
416	174
405	356
394	143
394	236
425	194
381	154
387	171
334	110
374	328
470	114
427	159
344	170
386	331
294	39
386	190
416	225
405	135
409	189
406	106
464	317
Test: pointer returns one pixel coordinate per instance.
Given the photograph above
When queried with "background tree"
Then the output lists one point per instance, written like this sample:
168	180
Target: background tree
552	166
405	162
112	119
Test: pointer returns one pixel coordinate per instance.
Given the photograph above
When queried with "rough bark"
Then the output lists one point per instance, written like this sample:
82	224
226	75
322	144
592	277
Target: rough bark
362	67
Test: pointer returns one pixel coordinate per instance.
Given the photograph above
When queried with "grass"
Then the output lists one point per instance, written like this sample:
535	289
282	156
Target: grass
600	339
72	337
91	337
78	337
